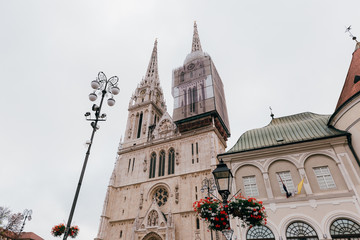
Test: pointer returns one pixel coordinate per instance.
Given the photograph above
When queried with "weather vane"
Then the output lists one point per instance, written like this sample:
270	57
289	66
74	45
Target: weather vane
271	113
350	34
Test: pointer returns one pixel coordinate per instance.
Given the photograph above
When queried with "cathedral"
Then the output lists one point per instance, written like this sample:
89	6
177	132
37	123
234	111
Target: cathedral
304	167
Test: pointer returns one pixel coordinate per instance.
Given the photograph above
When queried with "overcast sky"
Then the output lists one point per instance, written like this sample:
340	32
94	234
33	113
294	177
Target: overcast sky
292	55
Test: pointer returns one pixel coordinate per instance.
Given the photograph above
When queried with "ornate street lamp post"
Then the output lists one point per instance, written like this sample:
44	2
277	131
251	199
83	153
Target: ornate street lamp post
208	184
27	216
104	87
223	180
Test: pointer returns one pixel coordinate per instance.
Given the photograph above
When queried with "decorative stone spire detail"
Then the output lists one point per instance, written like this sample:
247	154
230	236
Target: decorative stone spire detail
152	74
196	45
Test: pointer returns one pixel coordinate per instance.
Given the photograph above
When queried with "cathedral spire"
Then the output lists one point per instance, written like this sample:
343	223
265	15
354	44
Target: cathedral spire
196	45
152	70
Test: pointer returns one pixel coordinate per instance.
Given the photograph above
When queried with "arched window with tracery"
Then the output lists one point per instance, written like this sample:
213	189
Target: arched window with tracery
171	161
260	233
345	229
190	99
162	163
194	98
152	165
300	231
139	125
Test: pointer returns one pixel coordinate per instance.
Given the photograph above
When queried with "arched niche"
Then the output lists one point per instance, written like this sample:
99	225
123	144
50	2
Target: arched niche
280	166
152	236
246	171
318	161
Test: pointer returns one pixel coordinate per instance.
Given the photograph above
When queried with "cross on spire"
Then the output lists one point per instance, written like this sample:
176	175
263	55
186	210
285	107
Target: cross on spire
152	70
196	45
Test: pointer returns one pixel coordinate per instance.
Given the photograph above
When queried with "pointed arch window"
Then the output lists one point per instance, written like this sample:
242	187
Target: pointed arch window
300	231
162	163
171	161
190	99
139	126
345	229
152	165
194	97
260	233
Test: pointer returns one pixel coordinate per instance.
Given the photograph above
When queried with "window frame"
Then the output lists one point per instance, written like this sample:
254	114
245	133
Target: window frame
252	186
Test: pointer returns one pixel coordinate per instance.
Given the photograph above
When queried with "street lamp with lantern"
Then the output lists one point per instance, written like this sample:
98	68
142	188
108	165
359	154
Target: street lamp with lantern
223	180
103	87
27	216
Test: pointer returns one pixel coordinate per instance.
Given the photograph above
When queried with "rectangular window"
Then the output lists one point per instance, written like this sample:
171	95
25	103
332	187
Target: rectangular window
192	149
132	169
287	180
250	186
129	164
324	177
197	148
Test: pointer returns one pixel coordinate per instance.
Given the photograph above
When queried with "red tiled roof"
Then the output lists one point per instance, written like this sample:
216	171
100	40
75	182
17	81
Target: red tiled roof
29	236
351	87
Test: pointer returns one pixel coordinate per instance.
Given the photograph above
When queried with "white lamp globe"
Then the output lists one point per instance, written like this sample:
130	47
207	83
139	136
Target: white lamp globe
95	84
115	90
111	102
92	97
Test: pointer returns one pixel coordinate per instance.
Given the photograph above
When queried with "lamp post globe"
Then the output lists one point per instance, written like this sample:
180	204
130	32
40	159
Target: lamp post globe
111	102
115	90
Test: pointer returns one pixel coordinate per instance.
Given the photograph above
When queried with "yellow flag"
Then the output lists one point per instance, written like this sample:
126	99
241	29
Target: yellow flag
300	186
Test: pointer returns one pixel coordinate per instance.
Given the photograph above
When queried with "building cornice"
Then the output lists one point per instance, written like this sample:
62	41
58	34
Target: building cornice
156	179
167	140
286	149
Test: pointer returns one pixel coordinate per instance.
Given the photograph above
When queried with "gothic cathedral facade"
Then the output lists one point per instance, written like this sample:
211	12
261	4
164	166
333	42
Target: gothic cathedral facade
163	160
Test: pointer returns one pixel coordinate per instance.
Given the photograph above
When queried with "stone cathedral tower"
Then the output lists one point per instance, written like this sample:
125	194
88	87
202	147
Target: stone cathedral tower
162	161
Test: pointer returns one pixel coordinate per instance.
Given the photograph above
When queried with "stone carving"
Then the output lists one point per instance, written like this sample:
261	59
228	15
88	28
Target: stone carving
153	218
165	126
169	219
141	200
177	194
145	165
129	132
177	158
144	128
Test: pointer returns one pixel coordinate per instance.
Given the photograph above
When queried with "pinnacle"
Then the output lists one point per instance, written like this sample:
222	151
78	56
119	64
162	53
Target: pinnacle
152	70
196	45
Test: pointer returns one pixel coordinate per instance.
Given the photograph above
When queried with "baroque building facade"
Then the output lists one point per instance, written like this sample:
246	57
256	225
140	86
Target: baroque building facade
162	160
316	157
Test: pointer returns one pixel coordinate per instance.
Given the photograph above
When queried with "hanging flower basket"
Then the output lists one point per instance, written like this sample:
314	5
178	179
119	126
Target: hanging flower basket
58	230
74	231
249	210
212	211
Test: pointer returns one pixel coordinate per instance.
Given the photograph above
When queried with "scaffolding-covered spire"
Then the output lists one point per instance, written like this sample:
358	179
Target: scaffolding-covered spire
196	45
152	70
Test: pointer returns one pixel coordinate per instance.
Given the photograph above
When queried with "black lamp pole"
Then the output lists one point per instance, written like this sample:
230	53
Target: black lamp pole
27	216
208	184
102	86
223	179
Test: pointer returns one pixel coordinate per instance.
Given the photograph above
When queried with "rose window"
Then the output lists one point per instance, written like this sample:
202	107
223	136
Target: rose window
161	196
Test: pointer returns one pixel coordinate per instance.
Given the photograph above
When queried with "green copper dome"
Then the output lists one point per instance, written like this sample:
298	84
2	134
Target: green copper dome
286	130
